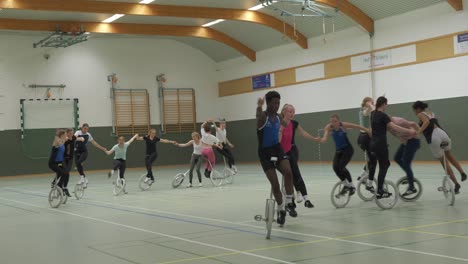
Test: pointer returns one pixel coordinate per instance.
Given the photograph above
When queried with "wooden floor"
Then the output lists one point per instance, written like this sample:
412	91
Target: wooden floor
215	224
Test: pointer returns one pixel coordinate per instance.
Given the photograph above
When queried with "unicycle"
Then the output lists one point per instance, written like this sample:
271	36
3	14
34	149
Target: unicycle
79	191
338	196
447	187
228	173
402	185
144	183
56	195
119	184
179	178
391	201
269	215
362	192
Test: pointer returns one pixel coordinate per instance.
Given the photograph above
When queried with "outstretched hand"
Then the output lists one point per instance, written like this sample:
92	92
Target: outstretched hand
260	101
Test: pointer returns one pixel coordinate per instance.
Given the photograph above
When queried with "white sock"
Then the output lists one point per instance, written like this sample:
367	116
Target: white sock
289	198
281	206
306	197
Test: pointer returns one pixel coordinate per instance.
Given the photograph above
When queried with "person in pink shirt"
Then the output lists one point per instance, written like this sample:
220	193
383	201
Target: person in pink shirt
289	147
407	150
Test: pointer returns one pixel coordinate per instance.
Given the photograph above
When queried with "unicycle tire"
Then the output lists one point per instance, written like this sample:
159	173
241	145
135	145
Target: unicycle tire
144	186
339	200
55	197
178	179
448	190
269	216
362	192
216	178
119	186
402	185
390	202
79	191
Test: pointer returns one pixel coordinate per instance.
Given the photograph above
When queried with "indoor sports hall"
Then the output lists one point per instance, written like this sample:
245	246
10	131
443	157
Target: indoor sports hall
233	131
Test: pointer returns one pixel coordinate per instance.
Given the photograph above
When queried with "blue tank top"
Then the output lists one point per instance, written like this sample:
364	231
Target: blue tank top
340	138
60	153
268	134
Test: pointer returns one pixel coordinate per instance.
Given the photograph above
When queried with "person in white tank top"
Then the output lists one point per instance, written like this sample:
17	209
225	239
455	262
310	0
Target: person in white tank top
221	135
196	158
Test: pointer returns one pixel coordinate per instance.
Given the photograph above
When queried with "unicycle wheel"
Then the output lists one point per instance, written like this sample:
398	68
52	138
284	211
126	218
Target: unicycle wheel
269	216
402	185
448	190
362	192
119	186
178	179
144	186
79	191
338	198
391	201
55	197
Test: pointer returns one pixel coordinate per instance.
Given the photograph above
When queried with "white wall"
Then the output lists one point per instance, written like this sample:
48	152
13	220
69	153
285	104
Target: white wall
83	69
434	80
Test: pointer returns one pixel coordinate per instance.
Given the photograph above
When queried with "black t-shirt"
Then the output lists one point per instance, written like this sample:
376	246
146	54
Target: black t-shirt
379	122
69	147
151	144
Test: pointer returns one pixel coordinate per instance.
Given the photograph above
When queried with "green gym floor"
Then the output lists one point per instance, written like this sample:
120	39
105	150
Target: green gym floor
216	224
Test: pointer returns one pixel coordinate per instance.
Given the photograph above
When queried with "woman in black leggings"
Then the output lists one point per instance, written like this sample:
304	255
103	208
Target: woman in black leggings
380	121
57	158
288	134
367	106
344	150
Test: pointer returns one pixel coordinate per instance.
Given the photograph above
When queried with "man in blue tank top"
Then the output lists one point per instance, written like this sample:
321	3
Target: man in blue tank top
271	154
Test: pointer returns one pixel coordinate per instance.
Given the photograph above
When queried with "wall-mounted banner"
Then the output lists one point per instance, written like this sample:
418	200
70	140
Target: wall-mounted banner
461	43
263	81
363	62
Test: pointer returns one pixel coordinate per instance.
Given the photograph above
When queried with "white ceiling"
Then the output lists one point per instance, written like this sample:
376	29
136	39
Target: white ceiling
255	36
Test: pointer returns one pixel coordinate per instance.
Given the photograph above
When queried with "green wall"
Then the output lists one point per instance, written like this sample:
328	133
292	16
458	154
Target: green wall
29	155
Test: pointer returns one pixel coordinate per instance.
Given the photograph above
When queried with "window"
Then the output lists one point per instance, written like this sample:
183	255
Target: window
131	111
179	113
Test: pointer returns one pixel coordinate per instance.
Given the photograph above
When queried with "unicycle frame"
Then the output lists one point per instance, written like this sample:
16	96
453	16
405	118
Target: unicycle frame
447	187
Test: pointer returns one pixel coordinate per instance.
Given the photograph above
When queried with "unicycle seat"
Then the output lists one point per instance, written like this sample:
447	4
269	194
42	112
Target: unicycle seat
444	144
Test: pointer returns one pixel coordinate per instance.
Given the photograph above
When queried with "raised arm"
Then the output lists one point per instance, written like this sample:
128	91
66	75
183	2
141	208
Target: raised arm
260	114
133	139
306	135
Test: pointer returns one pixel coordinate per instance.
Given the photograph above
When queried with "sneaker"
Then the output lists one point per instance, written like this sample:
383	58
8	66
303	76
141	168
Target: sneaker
308	204
370	188
85	184
463	176
125	191
189	185
293	203
299	197
147	179
383	194
65	191
234	169
200	185
352	190
290	208
207	173
82	180
457	188
281	217
344	191
409	192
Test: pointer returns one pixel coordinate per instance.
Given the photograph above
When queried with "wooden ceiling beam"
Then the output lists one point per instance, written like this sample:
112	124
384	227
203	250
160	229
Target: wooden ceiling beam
105	7
351	11
132	29
456	4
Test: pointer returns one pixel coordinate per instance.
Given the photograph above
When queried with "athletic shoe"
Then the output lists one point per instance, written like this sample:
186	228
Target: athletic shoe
463	176
457	188
65	191
370	188
207	173
234	169
299	197
344	191
82	180
383	194
189	185
293	203
409	192
281	217
290	209
352	190
147	179
200	185
308	204
85	184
